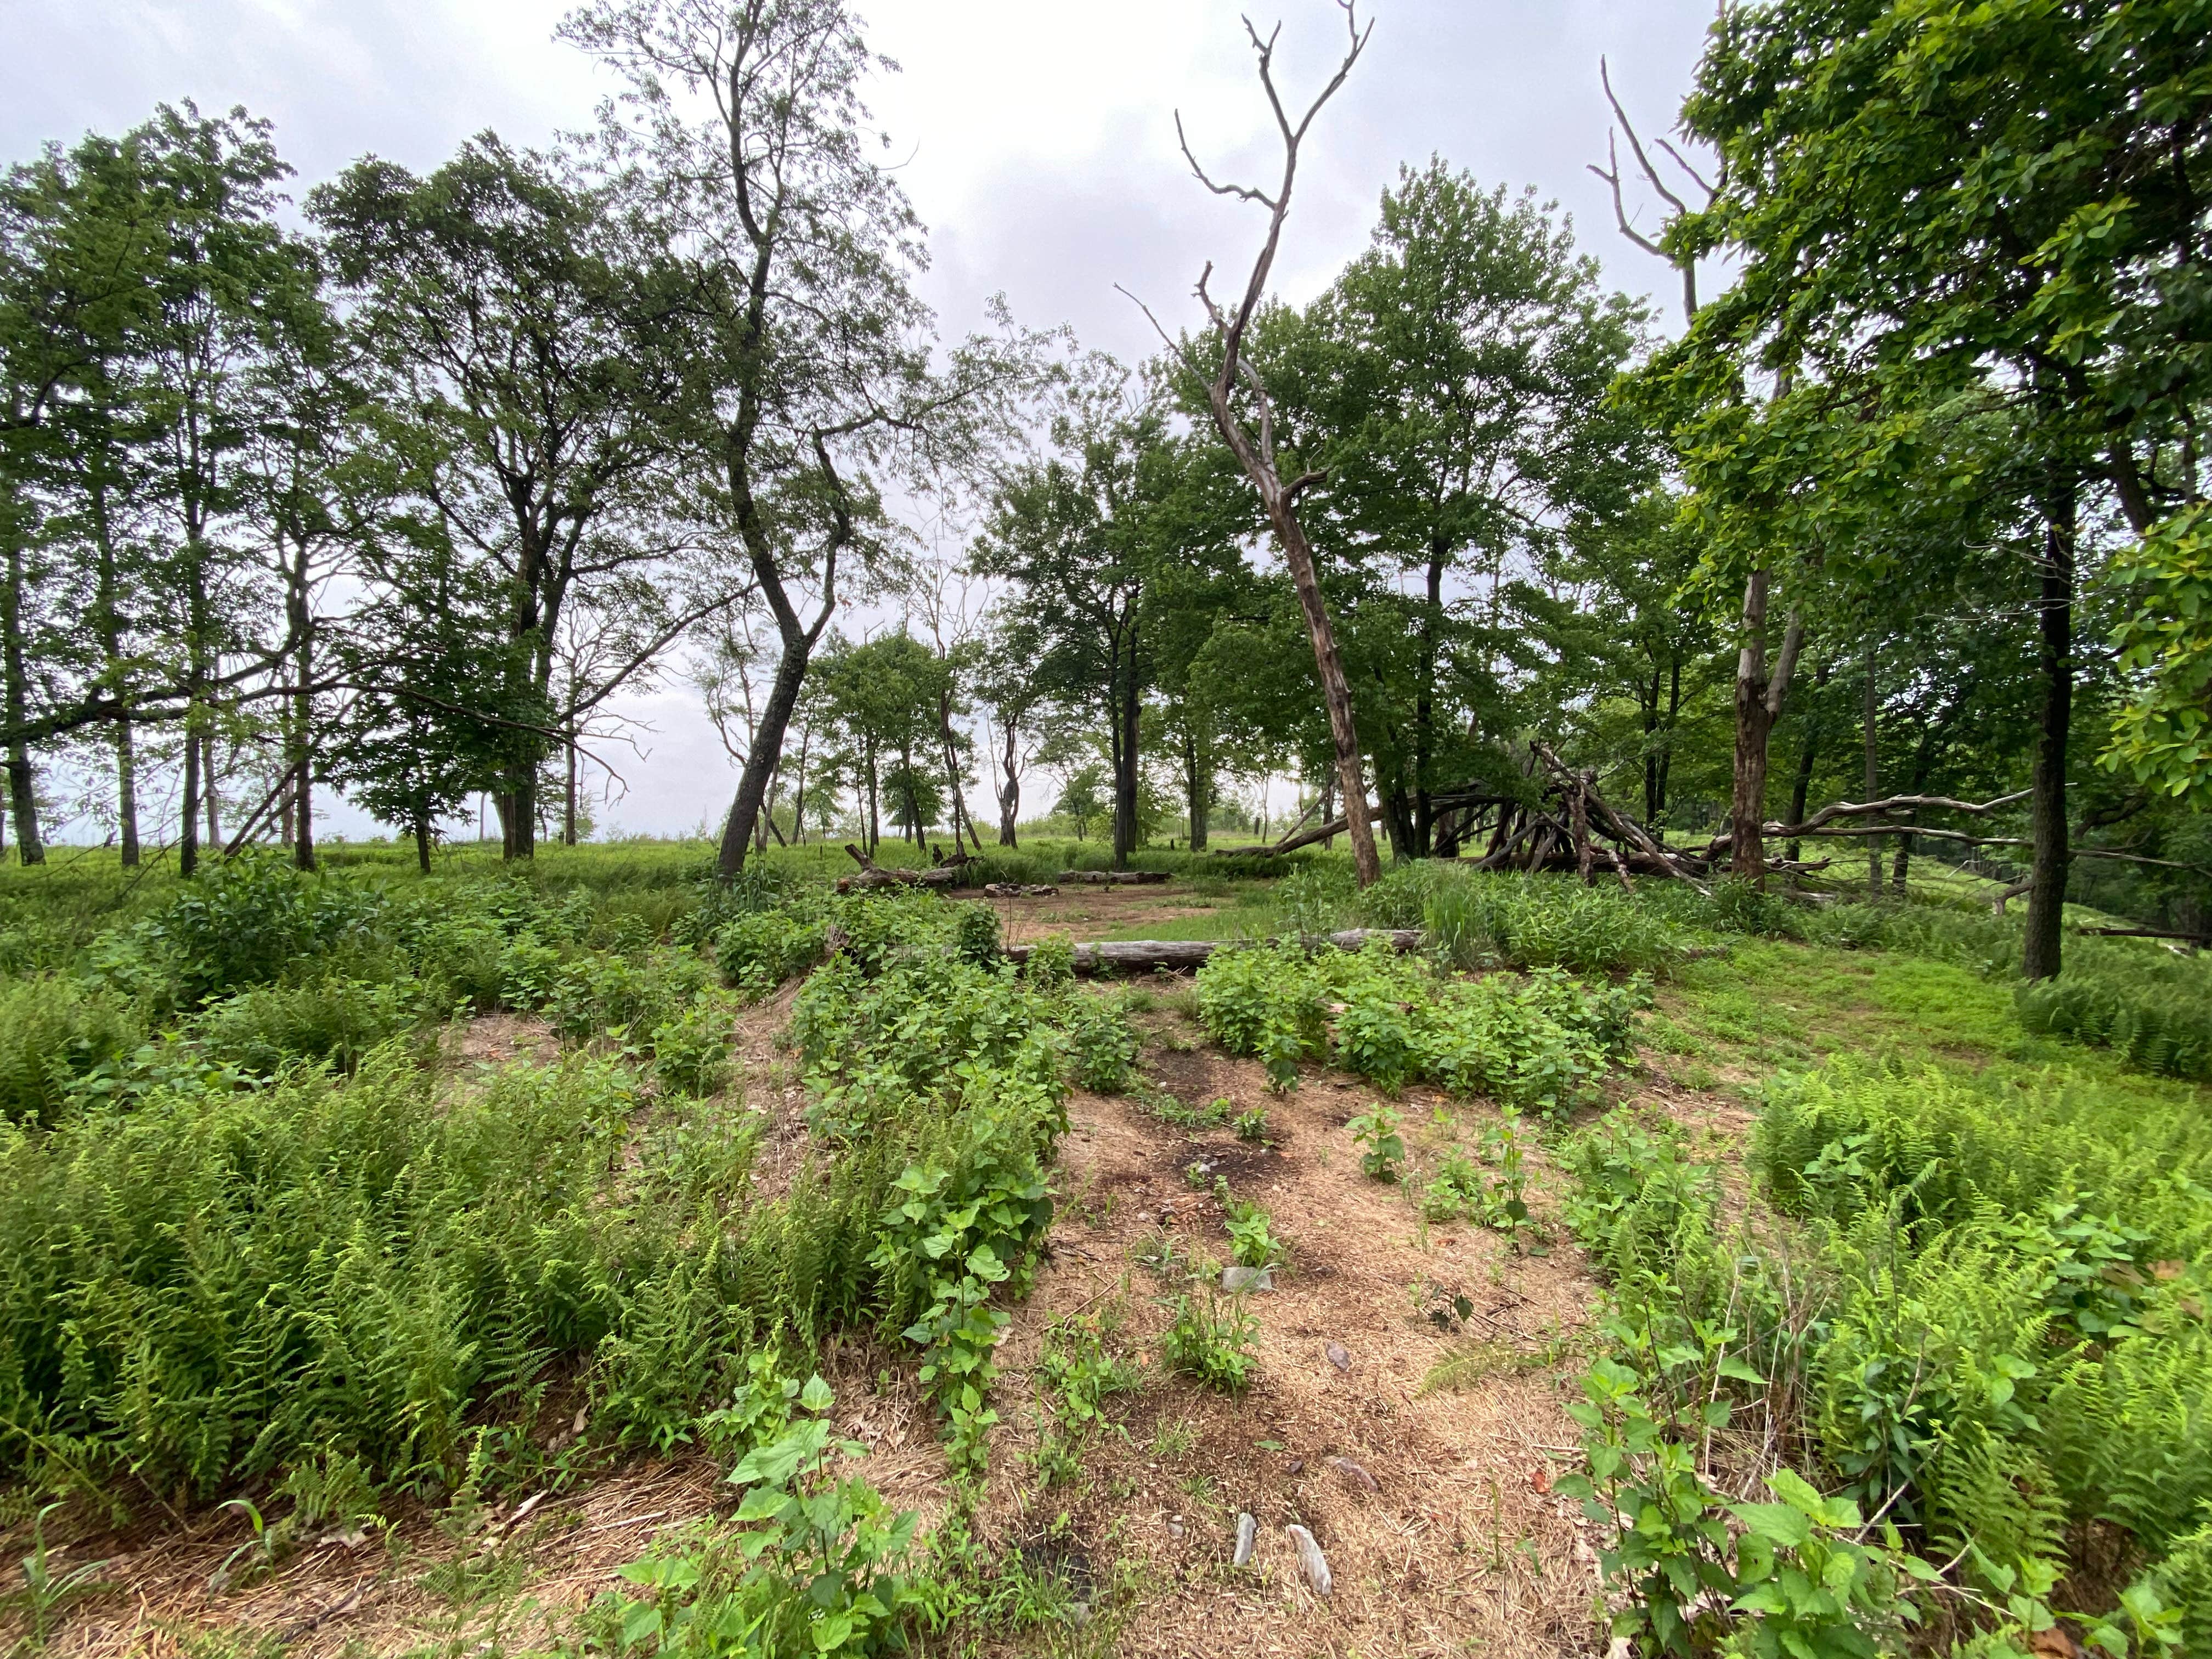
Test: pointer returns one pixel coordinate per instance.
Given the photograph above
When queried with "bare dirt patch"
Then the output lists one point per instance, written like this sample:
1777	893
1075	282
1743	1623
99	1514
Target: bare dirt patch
1461	1545
1091	913
501	1039
506	1578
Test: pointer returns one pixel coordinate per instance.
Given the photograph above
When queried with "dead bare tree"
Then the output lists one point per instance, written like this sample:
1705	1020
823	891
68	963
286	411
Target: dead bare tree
1760	693
1254	443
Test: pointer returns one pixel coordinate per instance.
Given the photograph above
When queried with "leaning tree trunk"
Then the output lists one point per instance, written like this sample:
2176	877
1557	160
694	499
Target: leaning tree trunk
2046	900
1367	865
767	750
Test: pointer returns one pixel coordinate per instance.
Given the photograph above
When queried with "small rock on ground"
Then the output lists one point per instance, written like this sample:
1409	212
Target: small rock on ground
1248	1533
1311	1561
1354	1475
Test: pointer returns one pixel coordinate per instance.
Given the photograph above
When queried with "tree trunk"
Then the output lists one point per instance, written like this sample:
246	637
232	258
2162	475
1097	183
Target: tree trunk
1125	764
1009	796
1873	773
568	792
798	794
126	792
2046	900
1808	756
422	844
23	802
945	737
303	759
1651	701
767	750
1759	698
875	823
213	798
1200	788
1424	702
111	643
1367	866
188	836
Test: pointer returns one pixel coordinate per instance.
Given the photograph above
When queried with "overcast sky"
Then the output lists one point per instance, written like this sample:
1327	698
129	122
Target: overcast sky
1039	135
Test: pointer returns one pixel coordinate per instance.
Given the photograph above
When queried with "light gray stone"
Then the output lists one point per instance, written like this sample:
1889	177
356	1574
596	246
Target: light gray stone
1235	1279
1248	1533
1311	1561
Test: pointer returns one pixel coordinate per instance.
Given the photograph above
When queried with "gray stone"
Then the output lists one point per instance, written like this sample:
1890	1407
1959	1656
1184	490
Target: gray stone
1248	1278
1354	1475
1338	1357
1311	1561
1248	1533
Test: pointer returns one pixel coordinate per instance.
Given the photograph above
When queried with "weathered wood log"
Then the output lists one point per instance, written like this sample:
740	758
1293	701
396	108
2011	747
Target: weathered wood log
874	875
1114	877
1144	955
1017	890
1444	801
2148	933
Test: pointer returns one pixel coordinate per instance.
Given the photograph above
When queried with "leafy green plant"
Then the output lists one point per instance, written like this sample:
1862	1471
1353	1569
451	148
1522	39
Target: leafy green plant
1251	1123
816	1564
1212	1343
1382	1149
1456	1190
1792	1579
1252	1238
691	1051
1051	964
1079	1372
1103	1047
47	1593
52	1032
757	951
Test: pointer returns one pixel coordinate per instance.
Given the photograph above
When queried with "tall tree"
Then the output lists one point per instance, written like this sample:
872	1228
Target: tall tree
1078	530
529	362
1452	385
1234	385
2005	200
808	371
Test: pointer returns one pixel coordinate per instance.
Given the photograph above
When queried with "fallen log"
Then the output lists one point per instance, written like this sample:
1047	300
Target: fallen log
2148	933
1144	955
874	875
1113	878
1017	890
1444	801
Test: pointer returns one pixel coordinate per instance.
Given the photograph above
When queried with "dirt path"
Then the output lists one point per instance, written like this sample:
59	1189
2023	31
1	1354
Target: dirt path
1460	1546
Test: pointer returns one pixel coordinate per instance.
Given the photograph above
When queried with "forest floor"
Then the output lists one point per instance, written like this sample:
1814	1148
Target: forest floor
1417	1440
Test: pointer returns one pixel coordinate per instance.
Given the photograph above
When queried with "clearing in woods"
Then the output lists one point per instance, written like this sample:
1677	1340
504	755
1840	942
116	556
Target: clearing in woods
1406	1400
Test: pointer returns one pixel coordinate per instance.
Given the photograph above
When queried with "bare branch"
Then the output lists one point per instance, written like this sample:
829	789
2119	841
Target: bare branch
1620	207
1242	192
1635	145
1676	155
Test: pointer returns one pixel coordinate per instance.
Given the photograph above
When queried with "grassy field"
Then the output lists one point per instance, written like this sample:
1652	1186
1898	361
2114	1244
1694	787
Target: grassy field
591	1257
